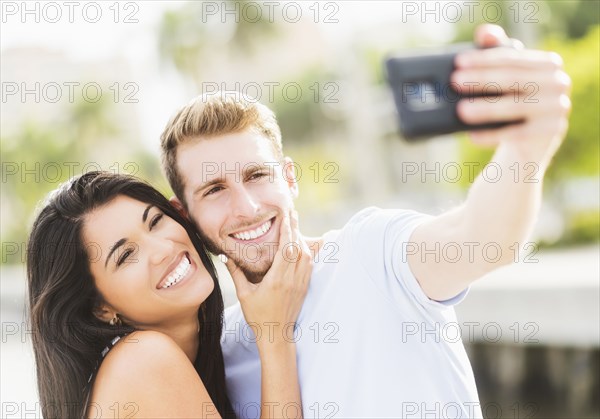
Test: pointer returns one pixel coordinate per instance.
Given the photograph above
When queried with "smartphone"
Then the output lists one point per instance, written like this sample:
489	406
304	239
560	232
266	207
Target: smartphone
424	96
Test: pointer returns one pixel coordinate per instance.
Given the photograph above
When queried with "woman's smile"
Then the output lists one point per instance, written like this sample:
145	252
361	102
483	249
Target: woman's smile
184	268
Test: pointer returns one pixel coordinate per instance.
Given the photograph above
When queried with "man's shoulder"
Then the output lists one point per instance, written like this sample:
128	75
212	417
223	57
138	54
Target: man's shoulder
233	314
363	214
370	218
237	340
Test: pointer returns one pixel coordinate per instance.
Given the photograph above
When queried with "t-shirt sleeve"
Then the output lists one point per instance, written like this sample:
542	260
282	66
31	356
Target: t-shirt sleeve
382	241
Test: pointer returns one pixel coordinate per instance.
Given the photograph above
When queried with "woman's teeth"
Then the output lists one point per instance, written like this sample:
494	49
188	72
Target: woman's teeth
178	273
253	234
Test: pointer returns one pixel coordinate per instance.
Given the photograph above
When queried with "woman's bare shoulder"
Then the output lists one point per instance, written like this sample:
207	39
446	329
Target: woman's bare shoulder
140	347
146	374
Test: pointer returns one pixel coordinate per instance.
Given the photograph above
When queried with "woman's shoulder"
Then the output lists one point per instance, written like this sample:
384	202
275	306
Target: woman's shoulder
140	354
141	371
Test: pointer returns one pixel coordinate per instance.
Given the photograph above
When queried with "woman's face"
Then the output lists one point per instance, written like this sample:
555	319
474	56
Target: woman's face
144	263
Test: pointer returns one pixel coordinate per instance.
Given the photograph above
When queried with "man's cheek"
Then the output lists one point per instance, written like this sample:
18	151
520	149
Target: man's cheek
207	226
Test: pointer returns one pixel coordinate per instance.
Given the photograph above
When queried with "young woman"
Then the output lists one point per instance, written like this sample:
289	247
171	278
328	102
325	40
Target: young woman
127	312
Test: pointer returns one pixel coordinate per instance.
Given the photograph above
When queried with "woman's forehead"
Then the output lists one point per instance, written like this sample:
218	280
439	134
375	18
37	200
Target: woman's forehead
111	220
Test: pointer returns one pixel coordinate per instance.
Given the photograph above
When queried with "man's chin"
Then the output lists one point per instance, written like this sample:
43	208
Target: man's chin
254	272
254	269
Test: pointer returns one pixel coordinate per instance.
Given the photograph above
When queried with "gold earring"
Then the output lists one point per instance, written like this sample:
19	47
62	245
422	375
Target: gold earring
115	321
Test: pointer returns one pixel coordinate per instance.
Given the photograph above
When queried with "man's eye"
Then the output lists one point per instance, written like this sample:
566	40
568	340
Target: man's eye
155	220
257	175
213	190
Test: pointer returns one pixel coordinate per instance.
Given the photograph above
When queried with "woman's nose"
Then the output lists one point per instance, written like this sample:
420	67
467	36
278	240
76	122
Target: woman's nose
161	250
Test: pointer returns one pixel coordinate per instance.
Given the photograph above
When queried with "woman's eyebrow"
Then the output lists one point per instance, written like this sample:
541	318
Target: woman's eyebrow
145	215
124	240
115	247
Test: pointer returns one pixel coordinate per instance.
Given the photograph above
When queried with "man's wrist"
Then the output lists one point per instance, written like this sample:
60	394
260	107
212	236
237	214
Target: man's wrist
523	152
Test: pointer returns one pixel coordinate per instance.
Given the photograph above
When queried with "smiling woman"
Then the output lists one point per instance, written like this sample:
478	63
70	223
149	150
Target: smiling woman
152	274
151	282
79	302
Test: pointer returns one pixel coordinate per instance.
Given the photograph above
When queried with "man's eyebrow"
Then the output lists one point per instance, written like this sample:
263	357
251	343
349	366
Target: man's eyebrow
112	249
121	242
254	167
248	169
205	185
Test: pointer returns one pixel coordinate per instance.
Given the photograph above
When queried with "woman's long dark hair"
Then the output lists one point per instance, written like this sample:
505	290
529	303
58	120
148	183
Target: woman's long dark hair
67	336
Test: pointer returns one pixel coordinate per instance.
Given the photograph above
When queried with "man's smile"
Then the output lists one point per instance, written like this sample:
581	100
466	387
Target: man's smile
258	231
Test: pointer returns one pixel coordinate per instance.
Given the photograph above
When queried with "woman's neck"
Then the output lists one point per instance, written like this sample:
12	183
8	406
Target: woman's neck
185	335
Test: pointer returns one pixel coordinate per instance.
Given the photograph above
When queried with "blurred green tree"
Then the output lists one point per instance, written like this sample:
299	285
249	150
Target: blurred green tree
195	34
37	158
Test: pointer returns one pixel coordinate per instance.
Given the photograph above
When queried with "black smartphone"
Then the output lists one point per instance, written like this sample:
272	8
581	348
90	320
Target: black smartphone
424	96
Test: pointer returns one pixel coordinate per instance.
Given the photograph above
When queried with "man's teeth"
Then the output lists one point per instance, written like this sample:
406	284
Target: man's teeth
178	273
253	234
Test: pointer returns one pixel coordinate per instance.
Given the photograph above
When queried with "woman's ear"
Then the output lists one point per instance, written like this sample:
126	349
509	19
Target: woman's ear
104	312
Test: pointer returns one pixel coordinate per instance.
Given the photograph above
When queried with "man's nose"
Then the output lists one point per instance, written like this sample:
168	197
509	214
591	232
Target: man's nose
244	203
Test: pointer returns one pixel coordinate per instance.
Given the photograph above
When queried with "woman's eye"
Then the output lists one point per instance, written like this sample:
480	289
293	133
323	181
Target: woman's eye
155	220
124	256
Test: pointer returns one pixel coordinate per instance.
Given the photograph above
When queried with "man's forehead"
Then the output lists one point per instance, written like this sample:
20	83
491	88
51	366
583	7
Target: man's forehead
243	148
207	159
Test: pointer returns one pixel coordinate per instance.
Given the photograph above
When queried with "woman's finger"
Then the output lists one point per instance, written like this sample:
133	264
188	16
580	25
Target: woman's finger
280	261
290	249
242	285
294	225
295	251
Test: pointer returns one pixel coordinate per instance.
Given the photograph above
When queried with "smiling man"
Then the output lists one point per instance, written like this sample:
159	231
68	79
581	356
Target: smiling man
238	191
368	337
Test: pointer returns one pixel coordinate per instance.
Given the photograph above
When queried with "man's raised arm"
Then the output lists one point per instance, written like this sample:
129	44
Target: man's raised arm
496	219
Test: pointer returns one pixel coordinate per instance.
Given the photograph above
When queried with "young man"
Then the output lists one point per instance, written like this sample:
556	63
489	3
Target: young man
377	334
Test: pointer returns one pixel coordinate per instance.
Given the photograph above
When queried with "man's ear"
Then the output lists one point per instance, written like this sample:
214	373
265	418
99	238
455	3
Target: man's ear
179	206
289	173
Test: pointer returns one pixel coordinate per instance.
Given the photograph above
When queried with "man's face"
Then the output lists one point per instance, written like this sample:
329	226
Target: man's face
237	192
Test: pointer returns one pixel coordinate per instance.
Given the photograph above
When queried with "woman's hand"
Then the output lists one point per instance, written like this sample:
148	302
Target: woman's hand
271	307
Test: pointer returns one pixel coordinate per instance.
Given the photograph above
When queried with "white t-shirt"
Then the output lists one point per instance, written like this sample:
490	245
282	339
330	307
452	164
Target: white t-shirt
370	343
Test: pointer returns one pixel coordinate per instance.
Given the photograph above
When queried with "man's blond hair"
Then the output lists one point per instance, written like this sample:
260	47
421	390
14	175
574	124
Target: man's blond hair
209	116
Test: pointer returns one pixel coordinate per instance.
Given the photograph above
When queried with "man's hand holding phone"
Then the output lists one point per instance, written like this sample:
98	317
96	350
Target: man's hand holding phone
499	92
537	93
